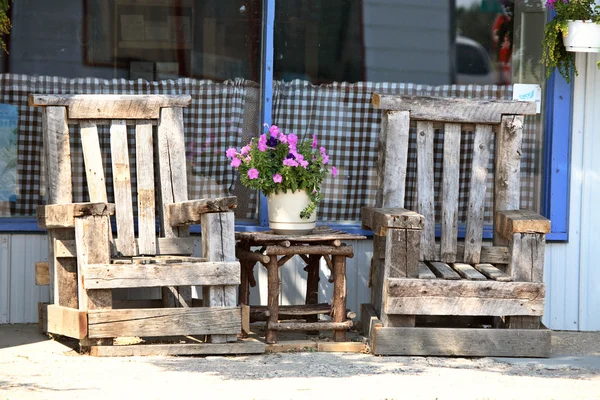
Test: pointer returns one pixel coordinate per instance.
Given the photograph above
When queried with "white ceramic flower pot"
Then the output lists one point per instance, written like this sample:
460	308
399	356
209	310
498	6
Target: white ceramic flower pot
583	36
284	213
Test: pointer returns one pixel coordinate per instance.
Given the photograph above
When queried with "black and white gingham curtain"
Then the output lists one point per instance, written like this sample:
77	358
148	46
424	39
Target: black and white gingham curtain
348	125
340	114
212	123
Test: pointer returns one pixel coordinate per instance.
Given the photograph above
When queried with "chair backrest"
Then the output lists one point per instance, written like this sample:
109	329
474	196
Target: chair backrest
497	120
158	141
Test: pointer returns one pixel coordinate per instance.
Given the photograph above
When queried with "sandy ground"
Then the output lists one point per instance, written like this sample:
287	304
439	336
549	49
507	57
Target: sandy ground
33	367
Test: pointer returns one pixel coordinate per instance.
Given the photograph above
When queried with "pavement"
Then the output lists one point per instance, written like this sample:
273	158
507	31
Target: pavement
35	367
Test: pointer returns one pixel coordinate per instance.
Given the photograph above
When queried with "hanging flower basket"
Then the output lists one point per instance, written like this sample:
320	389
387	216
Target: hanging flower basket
582	36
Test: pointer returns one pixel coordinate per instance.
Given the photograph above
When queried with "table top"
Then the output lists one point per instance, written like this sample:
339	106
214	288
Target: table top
319	234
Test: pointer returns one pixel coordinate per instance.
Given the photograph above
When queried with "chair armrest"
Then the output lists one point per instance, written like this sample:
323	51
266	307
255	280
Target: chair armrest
380	219
520	221
63	215
190	212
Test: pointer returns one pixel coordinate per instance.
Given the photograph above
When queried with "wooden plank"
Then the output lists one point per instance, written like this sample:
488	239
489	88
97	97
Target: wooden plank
190	212
450	189
315	249
492	272
172	169
111	106
122	188
462	342
477	289
393	159
443	270
92	157
93	247
455	110
218	244
509	222
468	272
402	253
481	157
463	306
66	321
63	215
341	347
164	322
425	272
380	219
369	322
310	326
108	276
425	199
527	257
507	185
58	155
489	254
144	151
42	274
64	270
243	346
173	246
292	345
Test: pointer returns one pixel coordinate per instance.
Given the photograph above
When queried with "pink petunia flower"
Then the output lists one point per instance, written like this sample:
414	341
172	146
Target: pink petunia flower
262	143
290	162
236	162
231	152
303	163
334	171
274	131
292	140
277	178
245	150
252	173
314	142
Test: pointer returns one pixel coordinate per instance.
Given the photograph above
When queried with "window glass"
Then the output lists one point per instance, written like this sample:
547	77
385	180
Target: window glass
331	55
209	49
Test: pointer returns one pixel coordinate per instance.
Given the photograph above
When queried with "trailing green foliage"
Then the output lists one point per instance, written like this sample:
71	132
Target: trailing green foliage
5	24
555	55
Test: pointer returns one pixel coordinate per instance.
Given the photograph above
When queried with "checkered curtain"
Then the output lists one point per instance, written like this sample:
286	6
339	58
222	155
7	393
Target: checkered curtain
212	123
348	125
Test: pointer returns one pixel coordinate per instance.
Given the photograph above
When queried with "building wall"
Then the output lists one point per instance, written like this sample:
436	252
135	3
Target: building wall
573	274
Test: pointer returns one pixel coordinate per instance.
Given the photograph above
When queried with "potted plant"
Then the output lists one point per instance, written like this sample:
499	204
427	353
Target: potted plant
575	27
289	172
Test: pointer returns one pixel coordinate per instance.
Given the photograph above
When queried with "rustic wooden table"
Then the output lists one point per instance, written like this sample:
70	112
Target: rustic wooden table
274	251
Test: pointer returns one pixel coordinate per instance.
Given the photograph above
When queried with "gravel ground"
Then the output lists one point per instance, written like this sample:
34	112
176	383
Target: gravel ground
32	367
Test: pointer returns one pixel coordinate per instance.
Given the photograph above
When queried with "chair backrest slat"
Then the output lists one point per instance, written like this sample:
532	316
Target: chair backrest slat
92	157
58	154
425	186
393	159
508	163
172	166
121	172
477	189
145	187
450	189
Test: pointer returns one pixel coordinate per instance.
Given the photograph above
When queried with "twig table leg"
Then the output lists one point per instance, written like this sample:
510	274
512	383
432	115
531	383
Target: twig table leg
339	295
312	287
273	298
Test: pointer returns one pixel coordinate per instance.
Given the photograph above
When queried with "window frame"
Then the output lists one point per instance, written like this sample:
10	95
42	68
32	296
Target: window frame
555	191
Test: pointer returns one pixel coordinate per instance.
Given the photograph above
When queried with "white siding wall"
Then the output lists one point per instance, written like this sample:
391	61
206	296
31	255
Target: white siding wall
572	271
19	295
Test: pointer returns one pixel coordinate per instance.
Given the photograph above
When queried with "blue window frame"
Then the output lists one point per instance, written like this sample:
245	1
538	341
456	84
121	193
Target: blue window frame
558	112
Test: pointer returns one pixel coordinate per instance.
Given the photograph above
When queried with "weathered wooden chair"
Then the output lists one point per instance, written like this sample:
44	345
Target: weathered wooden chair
423	291
86	263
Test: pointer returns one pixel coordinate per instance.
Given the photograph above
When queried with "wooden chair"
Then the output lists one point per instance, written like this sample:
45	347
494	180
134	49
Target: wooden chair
87	263
432	298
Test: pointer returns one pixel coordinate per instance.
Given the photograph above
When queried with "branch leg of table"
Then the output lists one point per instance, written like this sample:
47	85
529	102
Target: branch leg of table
312	287
273	298
339	295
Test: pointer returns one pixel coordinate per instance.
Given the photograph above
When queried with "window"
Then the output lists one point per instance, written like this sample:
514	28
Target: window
325	58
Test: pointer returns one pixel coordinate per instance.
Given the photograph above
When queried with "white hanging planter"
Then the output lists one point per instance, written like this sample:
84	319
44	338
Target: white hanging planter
284	213
582	36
